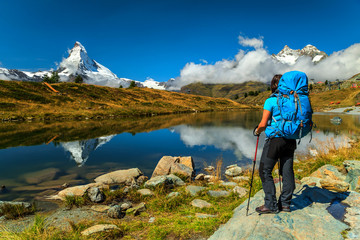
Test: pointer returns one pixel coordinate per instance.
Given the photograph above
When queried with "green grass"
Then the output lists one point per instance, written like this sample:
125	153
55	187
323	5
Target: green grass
77	201
14	211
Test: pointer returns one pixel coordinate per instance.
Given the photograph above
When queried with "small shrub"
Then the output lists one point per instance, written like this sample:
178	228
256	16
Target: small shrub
71	201
79	79
132	84
53	79
14	211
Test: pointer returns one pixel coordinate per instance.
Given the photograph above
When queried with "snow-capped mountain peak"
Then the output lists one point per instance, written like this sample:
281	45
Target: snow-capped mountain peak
79	63
290	56
79	58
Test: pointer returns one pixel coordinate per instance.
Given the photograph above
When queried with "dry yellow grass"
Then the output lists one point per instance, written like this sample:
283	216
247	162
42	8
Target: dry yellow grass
34	100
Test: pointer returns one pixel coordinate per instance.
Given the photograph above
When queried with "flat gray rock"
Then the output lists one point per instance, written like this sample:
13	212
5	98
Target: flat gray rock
204	215
229	184
308	219
200	203
218	193
98	228
194	190
145	192
173	195
159	181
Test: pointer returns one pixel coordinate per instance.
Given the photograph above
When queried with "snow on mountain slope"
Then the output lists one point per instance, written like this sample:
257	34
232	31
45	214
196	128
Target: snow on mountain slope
80	150
151	83
14	74
79	63
290	56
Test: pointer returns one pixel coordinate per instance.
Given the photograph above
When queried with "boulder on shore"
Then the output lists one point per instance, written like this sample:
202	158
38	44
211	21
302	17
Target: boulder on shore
308	209
200	203
168	164
194	190
233	171
328	171
99	228
334	185
77	190
120	177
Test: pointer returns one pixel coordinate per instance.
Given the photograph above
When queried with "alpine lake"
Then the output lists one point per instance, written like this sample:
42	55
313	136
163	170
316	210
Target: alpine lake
37	158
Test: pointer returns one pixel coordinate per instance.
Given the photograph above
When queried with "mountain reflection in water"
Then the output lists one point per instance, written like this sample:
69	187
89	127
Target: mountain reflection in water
80	150
30	149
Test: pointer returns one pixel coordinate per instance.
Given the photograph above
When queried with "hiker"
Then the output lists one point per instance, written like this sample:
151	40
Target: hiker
275	148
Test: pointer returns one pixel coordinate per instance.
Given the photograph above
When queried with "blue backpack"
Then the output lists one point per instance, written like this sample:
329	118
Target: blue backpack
294	105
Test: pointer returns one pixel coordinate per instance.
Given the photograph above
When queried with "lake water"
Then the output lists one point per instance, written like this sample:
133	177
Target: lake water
37	158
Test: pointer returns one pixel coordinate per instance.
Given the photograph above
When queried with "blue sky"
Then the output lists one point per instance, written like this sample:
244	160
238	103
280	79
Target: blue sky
140	39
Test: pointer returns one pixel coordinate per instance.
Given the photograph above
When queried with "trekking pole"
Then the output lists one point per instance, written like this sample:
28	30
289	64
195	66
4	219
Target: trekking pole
252	174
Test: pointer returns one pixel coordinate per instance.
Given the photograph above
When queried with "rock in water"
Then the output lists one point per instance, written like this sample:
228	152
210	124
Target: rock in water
95	195
41	176
99	228
126	177
209	169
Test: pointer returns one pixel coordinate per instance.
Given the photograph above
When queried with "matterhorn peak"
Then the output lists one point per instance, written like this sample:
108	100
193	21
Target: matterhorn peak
78	59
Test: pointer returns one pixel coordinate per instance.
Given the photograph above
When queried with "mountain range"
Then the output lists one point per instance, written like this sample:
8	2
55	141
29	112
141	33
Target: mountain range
78	63
291	56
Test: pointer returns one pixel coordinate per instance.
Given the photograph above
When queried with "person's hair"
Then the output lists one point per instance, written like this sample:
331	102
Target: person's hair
275	82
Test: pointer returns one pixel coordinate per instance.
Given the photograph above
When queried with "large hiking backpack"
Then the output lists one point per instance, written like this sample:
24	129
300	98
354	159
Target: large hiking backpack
295	119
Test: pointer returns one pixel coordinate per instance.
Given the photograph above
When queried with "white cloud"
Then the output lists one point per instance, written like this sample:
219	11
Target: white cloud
251	42
259	65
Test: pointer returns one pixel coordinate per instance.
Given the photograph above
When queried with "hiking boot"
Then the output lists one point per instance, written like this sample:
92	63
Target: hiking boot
264	210
285	209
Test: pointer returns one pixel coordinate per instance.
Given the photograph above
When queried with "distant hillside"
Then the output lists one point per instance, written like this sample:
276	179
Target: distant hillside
231	91
322	97
31	100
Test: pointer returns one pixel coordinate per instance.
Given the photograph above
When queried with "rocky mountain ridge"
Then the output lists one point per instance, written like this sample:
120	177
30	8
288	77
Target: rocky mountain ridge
291	56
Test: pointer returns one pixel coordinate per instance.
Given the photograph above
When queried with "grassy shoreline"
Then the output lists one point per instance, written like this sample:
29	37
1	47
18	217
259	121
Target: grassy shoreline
175	219
20	101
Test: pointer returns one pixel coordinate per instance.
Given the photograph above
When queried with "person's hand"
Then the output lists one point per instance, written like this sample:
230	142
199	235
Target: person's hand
255	132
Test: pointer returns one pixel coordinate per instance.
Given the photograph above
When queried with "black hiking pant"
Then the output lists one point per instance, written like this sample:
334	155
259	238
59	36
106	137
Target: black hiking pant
277	149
